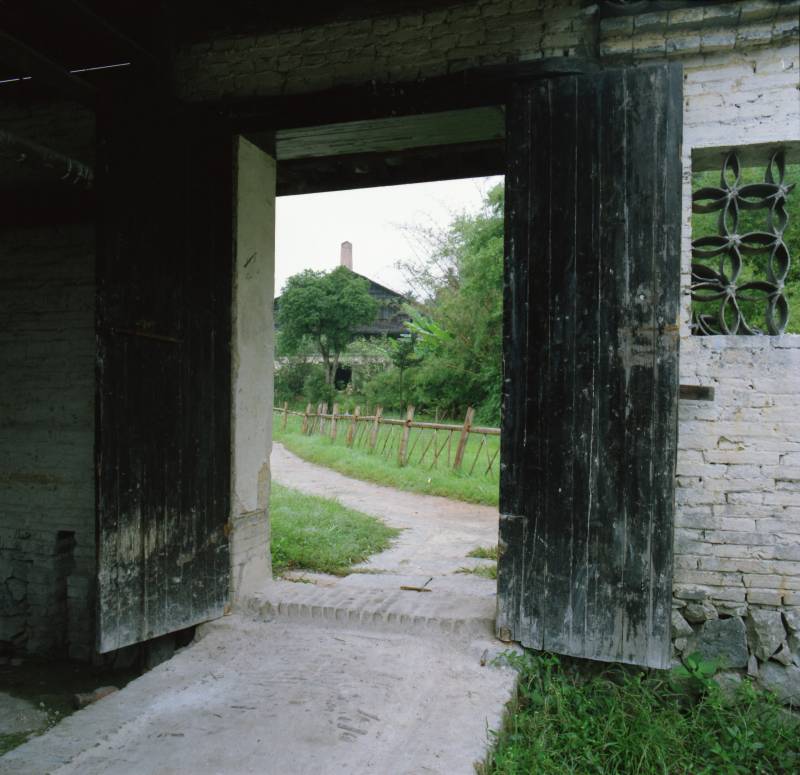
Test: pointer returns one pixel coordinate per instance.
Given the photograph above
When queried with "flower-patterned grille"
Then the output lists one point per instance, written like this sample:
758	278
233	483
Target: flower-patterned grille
738	278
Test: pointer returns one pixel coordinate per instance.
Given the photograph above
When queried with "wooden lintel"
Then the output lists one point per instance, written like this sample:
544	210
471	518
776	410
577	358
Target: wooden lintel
472	88
418	165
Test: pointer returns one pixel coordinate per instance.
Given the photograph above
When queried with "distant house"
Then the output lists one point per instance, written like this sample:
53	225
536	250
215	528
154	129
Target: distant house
390	318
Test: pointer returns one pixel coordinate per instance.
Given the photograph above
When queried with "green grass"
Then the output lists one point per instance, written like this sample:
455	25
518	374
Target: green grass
573	717
484	571
9	742
382	469
319	534
485	553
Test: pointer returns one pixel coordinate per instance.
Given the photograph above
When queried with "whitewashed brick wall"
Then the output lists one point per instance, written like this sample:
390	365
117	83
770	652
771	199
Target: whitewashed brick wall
737	530
738	516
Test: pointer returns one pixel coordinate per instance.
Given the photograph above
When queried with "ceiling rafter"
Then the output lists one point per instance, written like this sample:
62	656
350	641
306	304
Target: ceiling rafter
30	62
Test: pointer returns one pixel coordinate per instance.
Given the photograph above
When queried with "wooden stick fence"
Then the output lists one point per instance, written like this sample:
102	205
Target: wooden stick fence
409	441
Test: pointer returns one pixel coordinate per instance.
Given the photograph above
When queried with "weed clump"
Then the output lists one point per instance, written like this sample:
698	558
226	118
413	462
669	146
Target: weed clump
572	716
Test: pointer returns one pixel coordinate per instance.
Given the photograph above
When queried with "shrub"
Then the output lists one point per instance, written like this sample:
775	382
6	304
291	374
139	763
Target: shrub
315	387
384	389
290	377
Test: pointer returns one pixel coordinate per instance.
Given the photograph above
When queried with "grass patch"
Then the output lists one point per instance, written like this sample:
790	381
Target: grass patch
373	467
319	534
485	553
569	720
484	571
9	742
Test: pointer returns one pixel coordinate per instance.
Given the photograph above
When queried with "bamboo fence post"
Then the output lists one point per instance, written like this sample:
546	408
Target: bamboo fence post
351	431
402	457
285	413
322	417
305	419
334	413
373	436
462	442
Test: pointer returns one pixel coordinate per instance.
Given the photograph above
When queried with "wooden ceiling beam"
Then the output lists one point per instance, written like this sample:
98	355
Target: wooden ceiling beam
30	62
418	165
128	47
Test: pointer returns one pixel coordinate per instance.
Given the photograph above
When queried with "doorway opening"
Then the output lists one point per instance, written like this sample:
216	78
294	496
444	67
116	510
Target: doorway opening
367	209
402	407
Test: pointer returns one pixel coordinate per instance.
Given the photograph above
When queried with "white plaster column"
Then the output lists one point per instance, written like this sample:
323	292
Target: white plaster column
252	368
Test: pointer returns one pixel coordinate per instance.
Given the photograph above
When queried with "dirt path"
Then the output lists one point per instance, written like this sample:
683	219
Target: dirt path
438	533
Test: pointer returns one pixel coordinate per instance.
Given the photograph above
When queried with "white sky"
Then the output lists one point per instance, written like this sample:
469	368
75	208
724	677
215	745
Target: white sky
311	227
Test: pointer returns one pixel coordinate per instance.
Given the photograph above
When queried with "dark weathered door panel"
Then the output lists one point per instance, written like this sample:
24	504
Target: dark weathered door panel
163	371
591	364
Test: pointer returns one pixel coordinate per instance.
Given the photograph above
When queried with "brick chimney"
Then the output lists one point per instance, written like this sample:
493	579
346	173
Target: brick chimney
346	255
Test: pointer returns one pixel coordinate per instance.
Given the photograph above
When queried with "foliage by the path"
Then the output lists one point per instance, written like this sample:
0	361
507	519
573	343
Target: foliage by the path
319	534
360	464
570	718
323	309
458	325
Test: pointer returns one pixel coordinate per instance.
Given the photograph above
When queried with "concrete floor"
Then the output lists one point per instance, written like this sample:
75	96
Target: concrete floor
283	697
351	675
20	716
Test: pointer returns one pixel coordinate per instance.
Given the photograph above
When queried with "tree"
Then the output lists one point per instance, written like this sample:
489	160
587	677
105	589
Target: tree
459	323
325	309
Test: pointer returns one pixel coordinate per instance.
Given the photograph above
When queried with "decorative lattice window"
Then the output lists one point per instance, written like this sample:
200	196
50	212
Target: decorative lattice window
740	259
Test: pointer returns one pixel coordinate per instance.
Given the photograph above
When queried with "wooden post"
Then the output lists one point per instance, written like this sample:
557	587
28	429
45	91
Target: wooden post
305	418
402	450
334	413
322	417
285	413
373	436
351	431
462	442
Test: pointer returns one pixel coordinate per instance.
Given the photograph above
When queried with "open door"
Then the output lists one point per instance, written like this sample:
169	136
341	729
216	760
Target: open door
163	398
591	364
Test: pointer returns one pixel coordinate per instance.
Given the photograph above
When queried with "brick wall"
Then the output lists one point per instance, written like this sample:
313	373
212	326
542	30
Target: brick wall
47	524
47	546
738	523
402	48
699	29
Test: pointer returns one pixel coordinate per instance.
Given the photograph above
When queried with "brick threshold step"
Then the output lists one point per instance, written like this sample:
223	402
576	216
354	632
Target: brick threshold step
383	610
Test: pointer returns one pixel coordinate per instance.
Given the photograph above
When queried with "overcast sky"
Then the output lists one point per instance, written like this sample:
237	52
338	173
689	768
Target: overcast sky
310	228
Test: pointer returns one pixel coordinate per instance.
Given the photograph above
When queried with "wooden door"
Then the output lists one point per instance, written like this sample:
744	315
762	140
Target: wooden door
591	364
164	268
